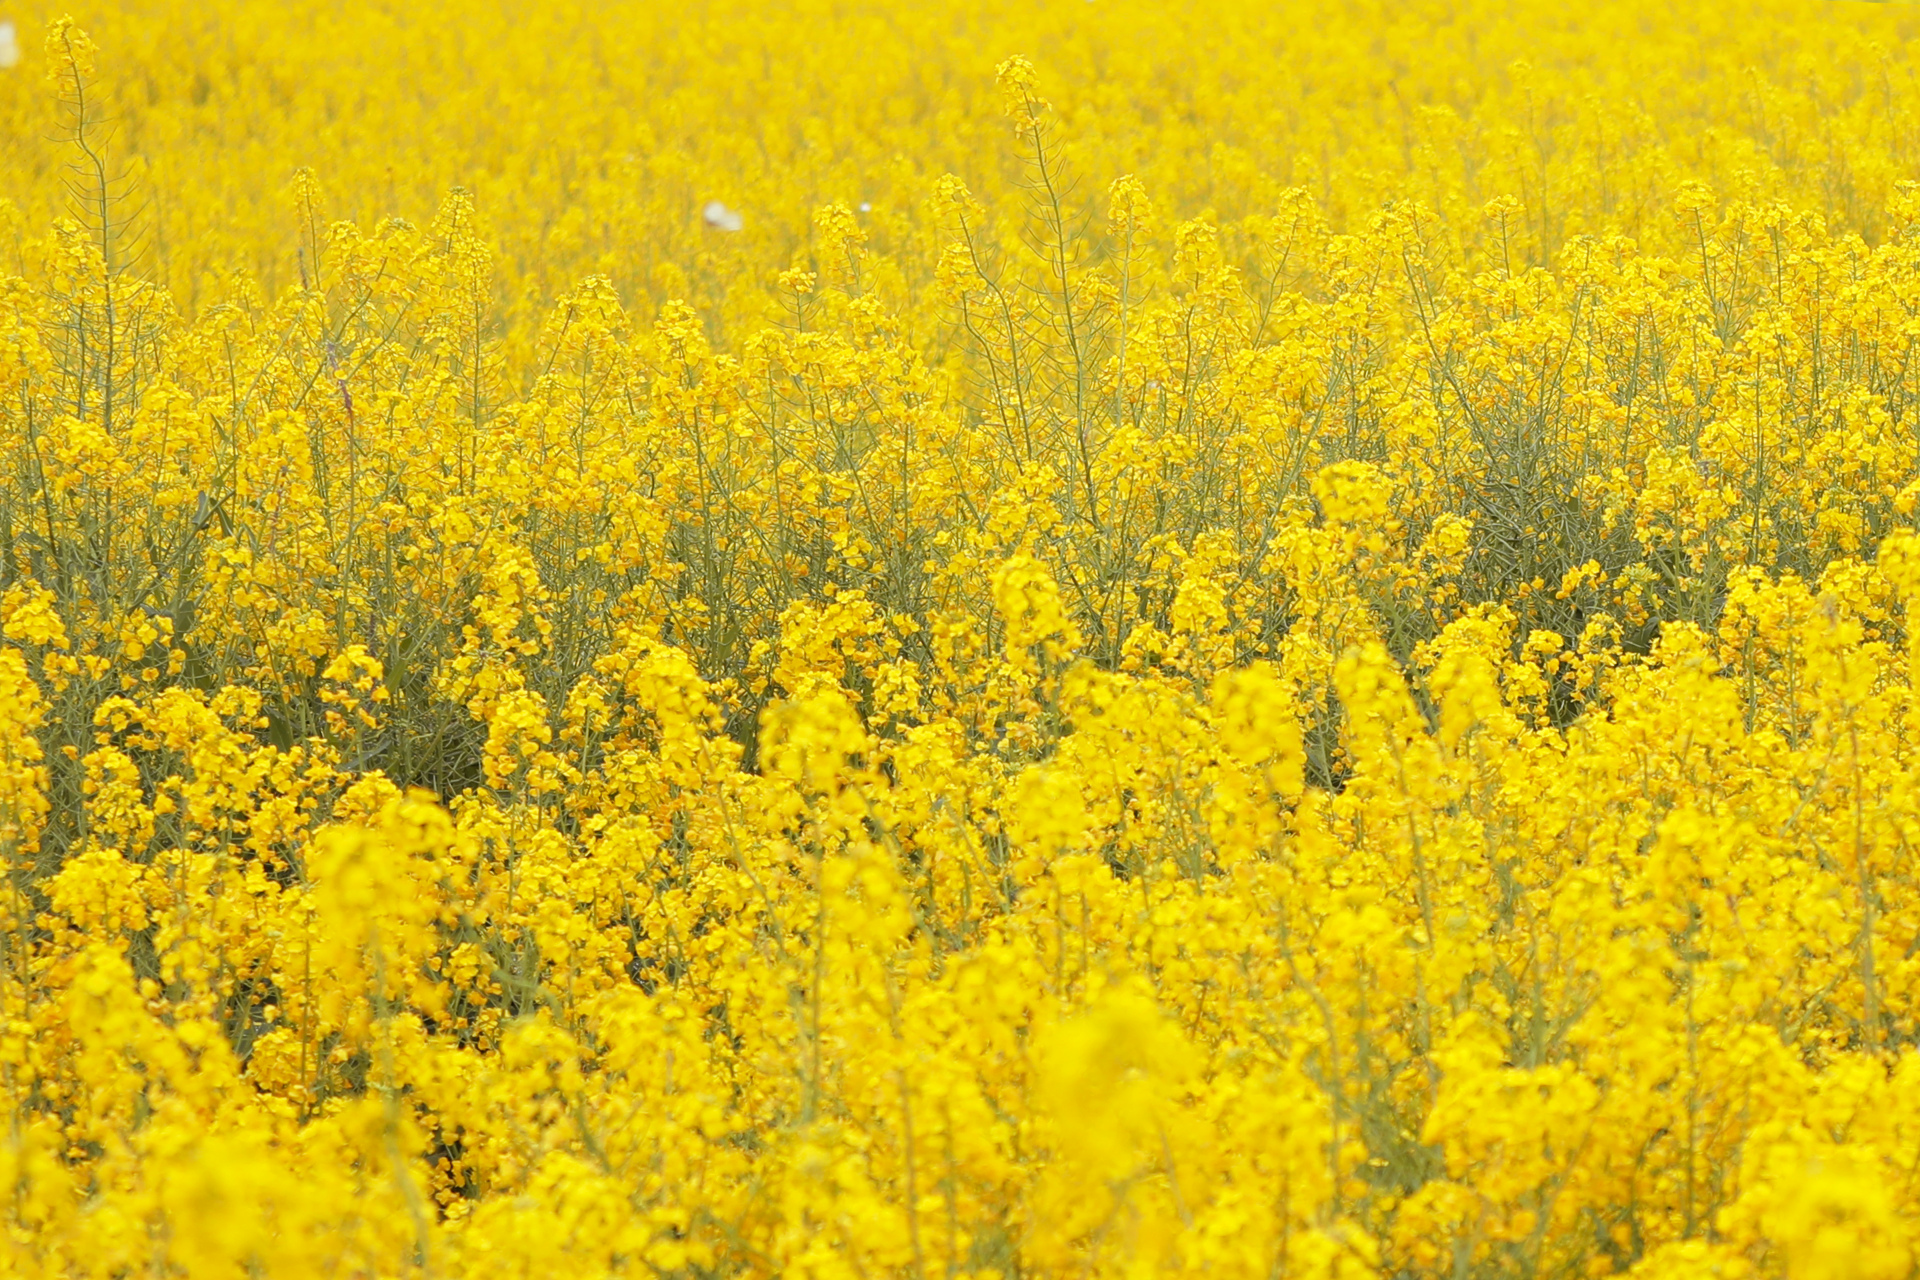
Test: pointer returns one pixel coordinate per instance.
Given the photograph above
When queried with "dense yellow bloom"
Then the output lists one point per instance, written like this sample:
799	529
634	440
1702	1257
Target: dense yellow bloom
968	641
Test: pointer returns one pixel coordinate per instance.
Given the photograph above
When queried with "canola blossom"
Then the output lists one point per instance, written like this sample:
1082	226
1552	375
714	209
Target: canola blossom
839	639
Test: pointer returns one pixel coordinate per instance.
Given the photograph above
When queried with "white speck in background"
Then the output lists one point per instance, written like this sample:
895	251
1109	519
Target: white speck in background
9	45
721	218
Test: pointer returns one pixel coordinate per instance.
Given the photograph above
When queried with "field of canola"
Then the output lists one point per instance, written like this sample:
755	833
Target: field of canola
959	641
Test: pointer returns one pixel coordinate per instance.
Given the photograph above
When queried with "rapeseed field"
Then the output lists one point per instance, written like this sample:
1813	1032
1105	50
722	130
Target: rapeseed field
960	641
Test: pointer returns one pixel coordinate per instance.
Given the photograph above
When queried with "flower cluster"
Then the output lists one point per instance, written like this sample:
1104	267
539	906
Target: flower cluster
1275	641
